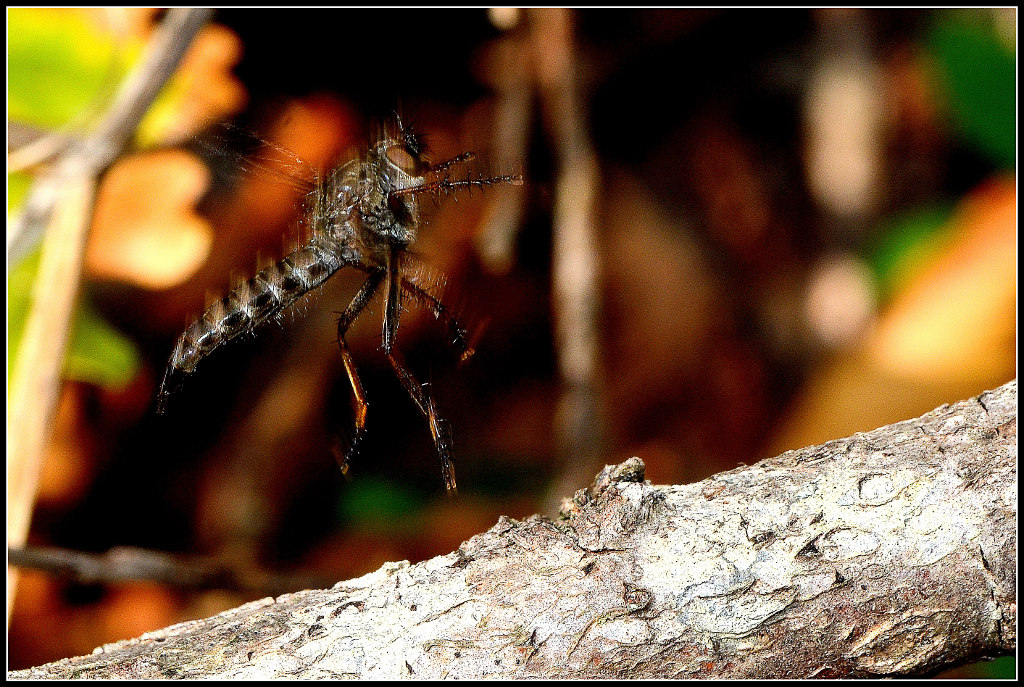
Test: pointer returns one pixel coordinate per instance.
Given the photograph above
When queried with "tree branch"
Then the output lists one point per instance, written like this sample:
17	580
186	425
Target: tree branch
891	552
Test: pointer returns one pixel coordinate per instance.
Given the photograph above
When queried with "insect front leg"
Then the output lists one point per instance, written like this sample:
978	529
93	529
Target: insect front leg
441	312
369	287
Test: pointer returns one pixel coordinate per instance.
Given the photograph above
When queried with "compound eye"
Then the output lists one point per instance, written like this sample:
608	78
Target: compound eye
405	160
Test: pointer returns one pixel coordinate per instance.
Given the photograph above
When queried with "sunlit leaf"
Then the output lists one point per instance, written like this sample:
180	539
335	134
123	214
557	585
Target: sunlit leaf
62	66
59	64
154	239
18	184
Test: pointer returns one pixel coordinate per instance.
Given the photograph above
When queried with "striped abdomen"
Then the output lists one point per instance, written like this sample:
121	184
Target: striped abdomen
251	304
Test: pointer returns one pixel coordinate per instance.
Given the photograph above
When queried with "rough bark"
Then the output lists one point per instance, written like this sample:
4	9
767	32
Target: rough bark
891	552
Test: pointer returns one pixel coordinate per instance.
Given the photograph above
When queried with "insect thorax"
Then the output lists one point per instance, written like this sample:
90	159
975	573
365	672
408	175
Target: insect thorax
363	209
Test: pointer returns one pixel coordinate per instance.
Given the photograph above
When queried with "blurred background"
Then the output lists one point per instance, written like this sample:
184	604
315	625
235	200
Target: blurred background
741	232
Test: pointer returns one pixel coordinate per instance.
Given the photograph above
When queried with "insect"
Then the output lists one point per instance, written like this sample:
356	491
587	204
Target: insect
365	214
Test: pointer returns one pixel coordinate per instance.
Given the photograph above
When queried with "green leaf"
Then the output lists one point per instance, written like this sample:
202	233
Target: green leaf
97	353
977	73
59	64
379	504
904	242
1004	668
18	184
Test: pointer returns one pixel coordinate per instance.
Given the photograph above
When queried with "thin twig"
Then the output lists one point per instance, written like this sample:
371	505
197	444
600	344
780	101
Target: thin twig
514	87
125	564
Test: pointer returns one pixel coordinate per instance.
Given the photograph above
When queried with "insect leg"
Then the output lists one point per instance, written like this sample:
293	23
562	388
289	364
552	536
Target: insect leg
344	322
393	297
440	311
392	309
438	427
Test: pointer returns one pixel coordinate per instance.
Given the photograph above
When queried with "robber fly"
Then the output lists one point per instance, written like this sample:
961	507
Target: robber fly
365	214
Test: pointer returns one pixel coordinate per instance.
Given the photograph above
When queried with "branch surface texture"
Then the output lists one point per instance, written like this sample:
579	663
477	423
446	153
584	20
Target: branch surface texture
891	552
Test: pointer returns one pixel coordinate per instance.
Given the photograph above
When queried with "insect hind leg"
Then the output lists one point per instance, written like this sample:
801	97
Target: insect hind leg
357	305
438	426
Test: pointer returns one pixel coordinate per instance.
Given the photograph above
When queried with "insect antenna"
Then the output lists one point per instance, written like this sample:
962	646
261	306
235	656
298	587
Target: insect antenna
441	166
450	185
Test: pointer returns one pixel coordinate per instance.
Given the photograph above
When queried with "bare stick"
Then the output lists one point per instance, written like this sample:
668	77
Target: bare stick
888	553
124	564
